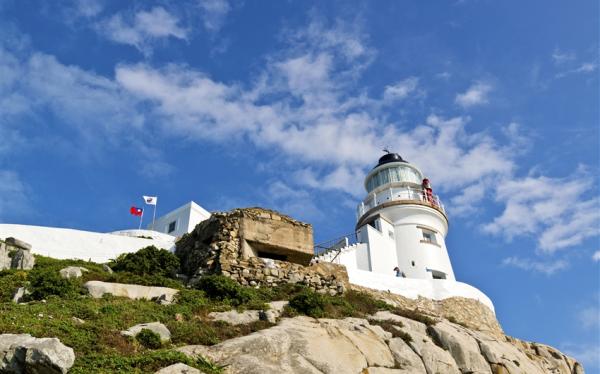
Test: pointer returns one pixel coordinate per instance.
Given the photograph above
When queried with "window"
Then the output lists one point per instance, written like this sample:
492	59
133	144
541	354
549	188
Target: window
171	227
428	236
438	274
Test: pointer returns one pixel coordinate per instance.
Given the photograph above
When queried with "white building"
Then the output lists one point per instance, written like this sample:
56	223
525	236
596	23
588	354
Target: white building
181	220
399	243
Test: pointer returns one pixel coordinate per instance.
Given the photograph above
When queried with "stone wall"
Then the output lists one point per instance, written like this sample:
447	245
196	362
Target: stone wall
15	254
255	247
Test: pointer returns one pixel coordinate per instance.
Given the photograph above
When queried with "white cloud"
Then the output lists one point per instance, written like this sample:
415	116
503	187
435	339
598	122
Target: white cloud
560	57
589	317
476	94
143	28
401	90
214	13
559	212
596	256
88	8
547	268
584	68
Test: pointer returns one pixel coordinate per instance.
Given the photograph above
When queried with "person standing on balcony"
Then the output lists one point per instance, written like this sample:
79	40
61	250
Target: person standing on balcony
427	191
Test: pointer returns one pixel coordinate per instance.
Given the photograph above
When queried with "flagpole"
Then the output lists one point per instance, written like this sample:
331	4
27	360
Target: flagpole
141	218
154	215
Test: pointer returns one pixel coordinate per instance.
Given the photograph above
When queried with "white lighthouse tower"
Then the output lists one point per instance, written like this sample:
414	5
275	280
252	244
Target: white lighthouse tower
399	241
403	223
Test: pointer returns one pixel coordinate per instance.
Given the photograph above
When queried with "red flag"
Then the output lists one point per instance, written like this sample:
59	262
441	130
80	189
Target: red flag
136	211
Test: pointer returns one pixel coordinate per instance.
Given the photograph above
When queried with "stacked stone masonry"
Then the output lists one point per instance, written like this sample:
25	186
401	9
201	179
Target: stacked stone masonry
15	254
258	247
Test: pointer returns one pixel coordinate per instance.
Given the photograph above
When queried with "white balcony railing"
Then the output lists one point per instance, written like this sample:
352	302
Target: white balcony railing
399	194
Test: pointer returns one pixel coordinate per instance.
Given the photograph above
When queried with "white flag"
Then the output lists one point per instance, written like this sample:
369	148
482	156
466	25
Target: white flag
150	200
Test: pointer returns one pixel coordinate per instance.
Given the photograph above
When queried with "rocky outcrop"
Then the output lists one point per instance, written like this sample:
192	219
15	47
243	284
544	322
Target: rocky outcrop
132	291
26	354
257	247
155	327
233	317
72	272
16	254
178	369
463	311
352	345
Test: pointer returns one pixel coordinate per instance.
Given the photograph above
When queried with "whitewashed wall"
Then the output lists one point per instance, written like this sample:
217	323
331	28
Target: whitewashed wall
84	245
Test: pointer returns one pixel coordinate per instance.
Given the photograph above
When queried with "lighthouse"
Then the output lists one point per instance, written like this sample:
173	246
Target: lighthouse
399	242
402	222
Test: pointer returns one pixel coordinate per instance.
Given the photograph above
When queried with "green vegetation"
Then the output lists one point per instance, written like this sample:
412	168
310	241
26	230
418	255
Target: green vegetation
147	261
393	327
97	341
149	339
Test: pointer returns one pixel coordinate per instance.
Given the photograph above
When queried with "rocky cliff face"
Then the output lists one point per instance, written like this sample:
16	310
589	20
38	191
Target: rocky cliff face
383	343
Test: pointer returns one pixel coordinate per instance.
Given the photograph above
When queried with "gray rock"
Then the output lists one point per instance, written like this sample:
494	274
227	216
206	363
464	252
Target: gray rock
274	311
72	272
22	259
303	345
434	358
25	354
504	356
18	243
405	357
178	369
156	327
20	294
233	317
131	291
107	268
463	348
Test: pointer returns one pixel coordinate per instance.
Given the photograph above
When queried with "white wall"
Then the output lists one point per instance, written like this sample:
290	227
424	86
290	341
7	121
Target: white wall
407	246
186	217
435	289
76	244
382	249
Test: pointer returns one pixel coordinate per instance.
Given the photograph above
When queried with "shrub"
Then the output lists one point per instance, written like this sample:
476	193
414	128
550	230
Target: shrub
147	261
415	315
149	339
309	302
10	281
218	287
48	282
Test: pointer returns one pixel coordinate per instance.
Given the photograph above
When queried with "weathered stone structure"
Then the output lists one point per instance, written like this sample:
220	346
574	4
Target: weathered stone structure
255	246
15	254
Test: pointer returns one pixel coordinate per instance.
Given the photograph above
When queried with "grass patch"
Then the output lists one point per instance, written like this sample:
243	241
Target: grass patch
414	315
146	362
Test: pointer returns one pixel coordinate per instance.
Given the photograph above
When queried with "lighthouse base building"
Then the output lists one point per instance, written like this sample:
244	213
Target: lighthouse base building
399	242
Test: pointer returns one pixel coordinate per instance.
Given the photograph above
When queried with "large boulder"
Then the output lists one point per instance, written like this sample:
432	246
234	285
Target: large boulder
304	345
155	327
15	254
132	291
22	259
26	354
178	369
233	317
463	347
72	272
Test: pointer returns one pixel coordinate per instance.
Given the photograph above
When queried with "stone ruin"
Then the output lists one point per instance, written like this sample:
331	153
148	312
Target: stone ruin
15	254
258	247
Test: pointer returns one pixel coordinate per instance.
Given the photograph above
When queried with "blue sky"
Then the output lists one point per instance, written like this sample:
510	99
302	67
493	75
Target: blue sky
288	104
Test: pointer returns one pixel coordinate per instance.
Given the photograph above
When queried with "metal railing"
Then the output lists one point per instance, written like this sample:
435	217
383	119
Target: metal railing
398	194
335	244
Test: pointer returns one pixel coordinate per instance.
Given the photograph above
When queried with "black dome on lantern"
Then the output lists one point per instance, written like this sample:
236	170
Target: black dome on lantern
389	157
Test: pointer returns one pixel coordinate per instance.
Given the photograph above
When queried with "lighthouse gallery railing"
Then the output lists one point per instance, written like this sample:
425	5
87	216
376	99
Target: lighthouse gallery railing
397	194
